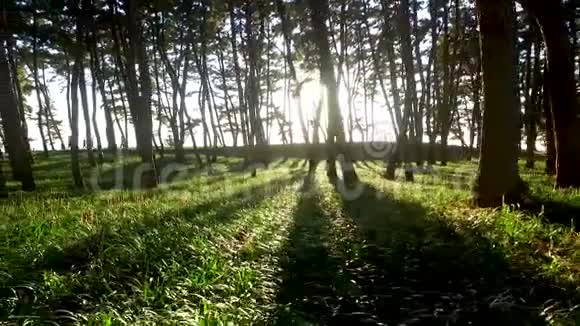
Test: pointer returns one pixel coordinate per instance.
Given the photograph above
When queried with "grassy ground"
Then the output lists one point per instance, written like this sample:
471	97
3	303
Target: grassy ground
217	246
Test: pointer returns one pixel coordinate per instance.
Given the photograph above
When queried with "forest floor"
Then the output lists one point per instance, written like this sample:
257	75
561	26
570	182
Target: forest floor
217	246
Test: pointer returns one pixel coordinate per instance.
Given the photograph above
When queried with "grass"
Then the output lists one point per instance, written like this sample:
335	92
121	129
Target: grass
217	247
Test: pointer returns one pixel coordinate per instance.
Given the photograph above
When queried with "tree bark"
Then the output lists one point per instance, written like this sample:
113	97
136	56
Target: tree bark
411	105
550	136
19	96
532	108
498	178
86	114
101	159
565	112
140	94
15	143
318	16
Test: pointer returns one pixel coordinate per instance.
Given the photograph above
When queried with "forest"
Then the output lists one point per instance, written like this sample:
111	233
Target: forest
281	162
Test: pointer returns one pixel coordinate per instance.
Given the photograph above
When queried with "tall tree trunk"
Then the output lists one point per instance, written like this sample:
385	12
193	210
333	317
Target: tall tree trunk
50	120
109	124
444	115
101	159
14	142
37	83
475	133
243	109
411	104
498	178
390	54
19	96
433	110
74	113
140	94
318	15
47	110
86	114
176	116
160	106
115	115
533	108
74	142
565	112
550	135
231	116
286	32
420	109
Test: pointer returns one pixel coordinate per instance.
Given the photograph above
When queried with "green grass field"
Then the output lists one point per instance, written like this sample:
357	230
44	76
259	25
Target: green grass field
219	247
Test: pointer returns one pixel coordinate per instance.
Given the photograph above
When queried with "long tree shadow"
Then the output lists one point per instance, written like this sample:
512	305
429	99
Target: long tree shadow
111	252
312	284
415	269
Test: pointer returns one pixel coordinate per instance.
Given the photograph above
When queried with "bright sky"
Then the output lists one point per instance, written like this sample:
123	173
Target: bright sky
311	93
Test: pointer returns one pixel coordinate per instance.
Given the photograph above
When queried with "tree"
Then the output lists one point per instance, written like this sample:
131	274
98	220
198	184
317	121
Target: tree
562	89
282	13
14	141
139	92
318	16
74	109
498	179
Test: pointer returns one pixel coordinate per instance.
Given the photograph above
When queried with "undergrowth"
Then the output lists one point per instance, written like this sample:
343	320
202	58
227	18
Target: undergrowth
216	246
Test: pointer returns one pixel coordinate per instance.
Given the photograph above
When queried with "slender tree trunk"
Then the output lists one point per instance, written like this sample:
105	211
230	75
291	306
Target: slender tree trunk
109	124
420	109
498	178
532	108
160	106
37	85
390	53
101	159
50	120
281	8
74	114
550	135
241	98
432	116
115	115
14	141
444	106
86	114
47	111
475	134
234	129
177	122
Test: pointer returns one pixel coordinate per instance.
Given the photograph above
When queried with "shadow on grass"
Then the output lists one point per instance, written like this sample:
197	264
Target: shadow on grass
280	162
312	281
295	163
557	212
417	269
114	257
401	266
